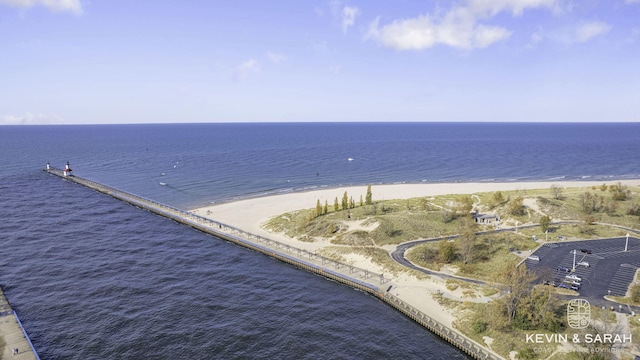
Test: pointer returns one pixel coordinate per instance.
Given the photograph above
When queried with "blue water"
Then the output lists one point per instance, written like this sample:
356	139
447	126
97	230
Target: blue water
94	278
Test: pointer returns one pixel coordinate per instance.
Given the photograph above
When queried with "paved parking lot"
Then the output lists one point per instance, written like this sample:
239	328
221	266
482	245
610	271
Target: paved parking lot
610	270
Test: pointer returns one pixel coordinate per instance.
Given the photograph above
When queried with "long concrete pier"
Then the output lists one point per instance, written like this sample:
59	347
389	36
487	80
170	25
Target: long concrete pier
14	341
362	279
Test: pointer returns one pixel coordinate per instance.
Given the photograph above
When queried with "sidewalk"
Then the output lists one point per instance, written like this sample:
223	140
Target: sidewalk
12	339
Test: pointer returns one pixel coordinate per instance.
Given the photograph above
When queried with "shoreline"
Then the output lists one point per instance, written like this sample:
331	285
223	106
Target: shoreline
250	214
417	298
315	188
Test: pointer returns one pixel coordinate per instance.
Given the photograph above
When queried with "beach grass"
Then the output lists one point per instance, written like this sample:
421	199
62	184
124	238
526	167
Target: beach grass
372	231
377	256
395	221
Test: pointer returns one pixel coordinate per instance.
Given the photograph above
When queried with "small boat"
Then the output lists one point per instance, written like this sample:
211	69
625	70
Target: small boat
163	183
350	159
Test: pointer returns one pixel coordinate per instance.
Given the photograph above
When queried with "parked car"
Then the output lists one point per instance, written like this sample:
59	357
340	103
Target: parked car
583	263
533	257
571	282
564	286
563	269
573	277
586	251
560	237
574	287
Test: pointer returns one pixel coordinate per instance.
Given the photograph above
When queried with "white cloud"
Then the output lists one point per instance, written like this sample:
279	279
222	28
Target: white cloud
587	31
74	6
243	70
632	1
460	27
583	32
349	14
29	119
345	14
275	57
516	7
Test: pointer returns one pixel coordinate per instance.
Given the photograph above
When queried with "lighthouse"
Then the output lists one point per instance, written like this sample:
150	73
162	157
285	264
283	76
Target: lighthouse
48	166
67	170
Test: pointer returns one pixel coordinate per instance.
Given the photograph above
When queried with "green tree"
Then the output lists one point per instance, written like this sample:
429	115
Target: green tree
537	310
369	197
589	202
619	192
447	251
335	204
325	210
635	293
447	215
516	206
496	199
465	204
467	240
345	201
545	222
352	204
610	206
516	282
318	208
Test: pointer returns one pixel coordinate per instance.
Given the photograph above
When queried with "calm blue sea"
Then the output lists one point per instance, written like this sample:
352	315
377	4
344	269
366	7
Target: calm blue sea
94	278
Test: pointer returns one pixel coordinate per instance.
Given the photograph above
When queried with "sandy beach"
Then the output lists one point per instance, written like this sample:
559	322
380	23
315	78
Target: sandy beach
250	214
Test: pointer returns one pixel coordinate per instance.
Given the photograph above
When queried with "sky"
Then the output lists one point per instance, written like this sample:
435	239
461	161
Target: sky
193	61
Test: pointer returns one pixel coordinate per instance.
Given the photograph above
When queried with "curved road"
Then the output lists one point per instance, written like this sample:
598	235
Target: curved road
398	255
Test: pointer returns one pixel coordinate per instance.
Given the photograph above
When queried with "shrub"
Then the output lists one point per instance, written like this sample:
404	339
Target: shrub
447	251
479	326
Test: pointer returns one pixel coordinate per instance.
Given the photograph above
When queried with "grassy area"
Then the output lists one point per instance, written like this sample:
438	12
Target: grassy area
393	222
490	251
363	230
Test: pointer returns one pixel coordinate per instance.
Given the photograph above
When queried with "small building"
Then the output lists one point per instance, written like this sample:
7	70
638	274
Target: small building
487	219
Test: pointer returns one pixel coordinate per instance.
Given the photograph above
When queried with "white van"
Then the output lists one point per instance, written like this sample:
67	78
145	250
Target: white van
573	277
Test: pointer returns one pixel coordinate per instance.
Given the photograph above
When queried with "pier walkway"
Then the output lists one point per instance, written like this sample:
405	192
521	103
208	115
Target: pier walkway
14	342
362	279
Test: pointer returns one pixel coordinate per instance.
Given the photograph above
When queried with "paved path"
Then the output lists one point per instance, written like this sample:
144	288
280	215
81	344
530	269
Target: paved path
11	335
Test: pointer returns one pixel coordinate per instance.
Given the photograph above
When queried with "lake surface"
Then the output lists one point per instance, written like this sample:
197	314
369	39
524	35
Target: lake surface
95	278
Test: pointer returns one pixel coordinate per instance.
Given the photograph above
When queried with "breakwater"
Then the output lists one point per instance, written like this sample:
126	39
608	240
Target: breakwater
362	279
14	340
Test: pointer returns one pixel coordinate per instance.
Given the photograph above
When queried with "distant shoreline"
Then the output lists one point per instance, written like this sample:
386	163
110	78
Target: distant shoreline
376	185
